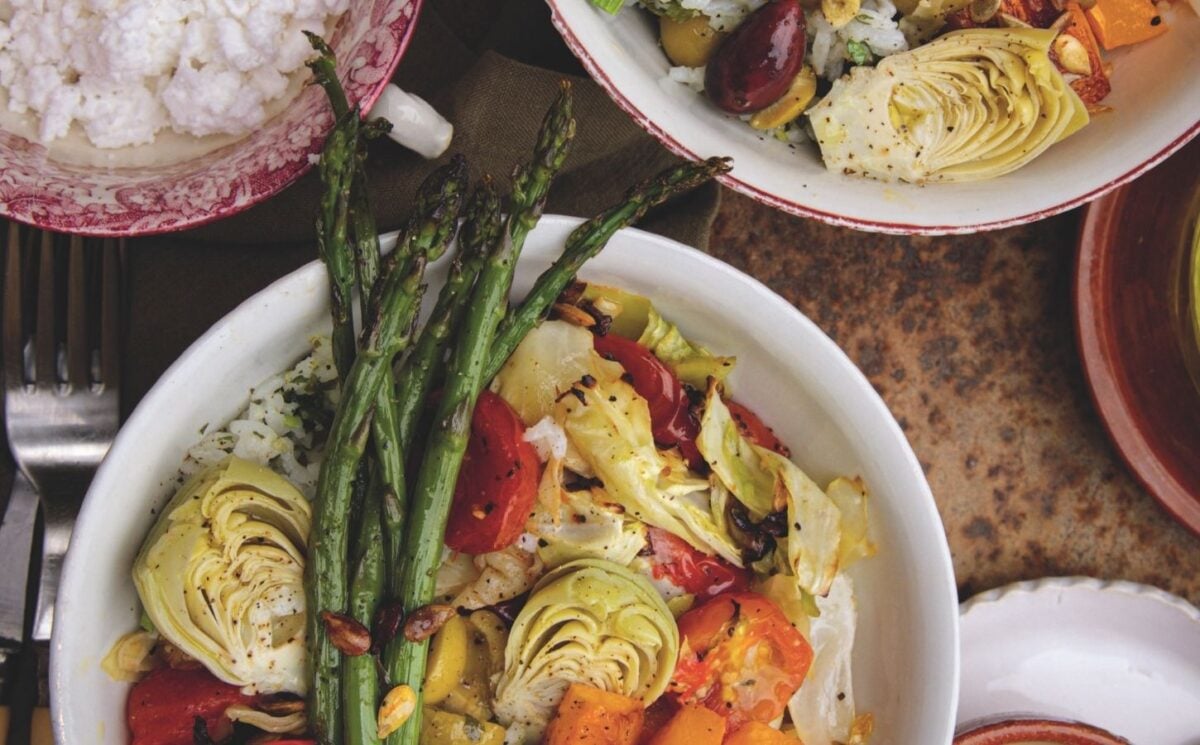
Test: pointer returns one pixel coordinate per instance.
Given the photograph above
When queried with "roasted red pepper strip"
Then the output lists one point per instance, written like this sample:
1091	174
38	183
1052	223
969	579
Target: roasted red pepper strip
691	570
497	483
163	706
670	409
753	429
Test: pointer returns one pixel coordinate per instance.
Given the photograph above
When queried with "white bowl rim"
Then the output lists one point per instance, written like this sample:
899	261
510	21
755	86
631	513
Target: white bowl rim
942	595
597	73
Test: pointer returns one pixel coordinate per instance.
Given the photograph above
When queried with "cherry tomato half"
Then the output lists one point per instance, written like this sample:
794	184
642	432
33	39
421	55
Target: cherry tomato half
670	410
497	483
163	706
740	657
753	429
693	571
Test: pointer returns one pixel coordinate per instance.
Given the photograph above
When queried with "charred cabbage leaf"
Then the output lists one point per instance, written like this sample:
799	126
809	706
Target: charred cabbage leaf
608	423
221	575
635	317
552	357
589	621
822	709
583	525
765	481
970	105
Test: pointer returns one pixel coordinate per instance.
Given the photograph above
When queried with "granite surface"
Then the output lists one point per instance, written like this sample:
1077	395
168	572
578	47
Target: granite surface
970	341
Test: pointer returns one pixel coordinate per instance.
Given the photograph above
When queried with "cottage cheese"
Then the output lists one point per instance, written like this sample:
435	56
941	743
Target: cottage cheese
125	69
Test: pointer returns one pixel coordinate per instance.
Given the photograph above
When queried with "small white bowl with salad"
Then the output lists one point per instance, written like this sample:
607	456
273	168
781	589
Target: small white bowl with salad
903	116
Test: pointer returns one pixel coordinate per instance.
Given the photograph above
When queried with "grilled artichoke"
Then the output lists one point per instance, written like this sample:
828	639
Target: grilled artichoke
221	575
970	105
589	621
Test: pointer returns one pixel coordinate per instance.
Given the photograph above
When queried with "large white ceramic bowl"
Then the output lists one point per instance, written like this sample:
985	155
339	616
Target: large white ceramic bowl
1155	102
906	658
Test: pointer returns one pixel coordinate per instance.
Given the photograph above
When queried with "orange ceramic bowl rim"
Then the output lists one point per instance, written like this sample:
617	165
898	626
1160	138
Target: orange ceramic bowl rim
1019	731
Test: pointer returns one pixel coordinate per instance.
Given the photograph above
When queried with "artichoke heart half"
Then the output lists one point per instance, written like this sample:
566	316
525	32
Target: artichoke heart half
589	621
221	575
970	105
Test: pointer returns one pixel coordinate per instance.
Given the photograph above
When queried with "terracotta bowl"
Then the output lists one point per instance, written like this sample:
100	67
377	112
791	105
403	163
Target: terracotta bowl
1037	732
1131	298
39	189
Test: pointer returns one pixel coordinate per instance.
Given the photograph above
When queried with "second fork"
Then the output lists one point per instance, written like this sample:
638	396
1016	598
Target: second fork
61	379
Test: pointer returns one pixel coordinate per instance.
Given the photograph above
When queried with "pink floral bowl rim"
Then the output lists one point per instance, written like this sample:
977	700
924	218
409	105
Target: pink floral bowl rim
369	41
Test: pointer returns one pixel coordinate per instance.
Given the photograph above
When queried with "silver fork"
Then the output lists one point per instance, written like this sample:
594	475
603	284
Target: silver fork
61	379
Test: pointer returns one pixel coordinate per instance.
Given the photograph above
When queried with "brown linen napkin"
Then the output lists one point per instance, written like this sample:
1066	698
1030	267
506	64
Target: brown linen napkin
182	283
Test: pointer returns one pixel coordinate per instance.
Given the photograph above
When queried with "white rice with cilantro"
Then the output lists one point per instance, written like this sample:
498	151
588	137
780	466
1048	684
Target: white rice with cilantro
284	425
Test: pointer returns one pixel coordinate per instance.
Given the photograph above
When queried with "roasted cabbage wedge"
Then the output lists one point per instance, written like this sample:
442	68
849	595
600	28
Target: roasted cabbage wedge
582	525
822	709
609	424
589	621
970	105
609	436
221	575
553	357
635	317
765	481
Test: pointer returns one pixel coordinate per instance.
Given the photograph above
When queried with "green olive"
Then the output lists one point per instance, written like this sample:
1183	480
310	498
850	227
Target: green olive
689	43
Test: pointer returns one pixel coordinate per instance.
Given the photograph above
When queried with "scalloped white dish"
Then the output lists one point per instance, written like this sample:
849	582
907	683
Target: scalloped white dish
906	654
1116	655
1155	110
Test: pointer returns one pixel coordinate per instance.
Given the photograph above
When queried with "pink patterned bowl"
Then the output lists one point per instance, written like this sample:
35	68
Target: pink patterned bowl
369	40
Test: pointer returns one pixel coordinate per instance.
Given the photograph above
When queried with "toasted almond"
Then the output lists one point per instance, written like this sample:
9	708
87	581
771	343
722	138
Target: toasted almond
425	621
388	619
574	315
349	636
283	706
1072	55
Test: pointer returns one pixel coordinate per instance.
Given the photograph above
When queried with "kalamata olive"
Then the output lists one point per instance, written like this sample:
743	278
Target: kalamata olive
757	63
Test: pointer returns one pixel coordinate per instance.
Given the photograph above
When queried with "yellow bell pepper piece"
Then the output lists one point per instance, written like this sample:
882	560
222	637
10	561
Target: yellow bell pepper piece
447	661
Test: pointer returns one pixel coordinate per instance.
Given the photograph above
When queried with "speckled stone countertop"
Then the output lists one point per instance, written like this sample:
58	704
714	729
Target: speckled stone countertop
970	341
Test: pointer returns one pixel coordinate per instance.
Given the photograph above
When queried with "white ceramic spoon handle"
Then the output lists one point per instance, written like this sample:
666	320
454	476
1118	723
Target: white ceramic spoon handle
415	124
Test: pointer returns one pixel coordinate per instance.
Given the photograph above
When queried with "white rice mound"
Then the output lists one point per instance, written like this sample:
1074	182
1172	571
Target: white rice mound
873	26
281	426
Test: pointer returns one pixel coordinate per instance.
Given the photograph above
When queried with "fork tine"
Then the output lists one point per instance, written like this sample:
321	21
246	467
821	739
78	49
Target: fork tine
45	335
79	347
14	338
110	313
